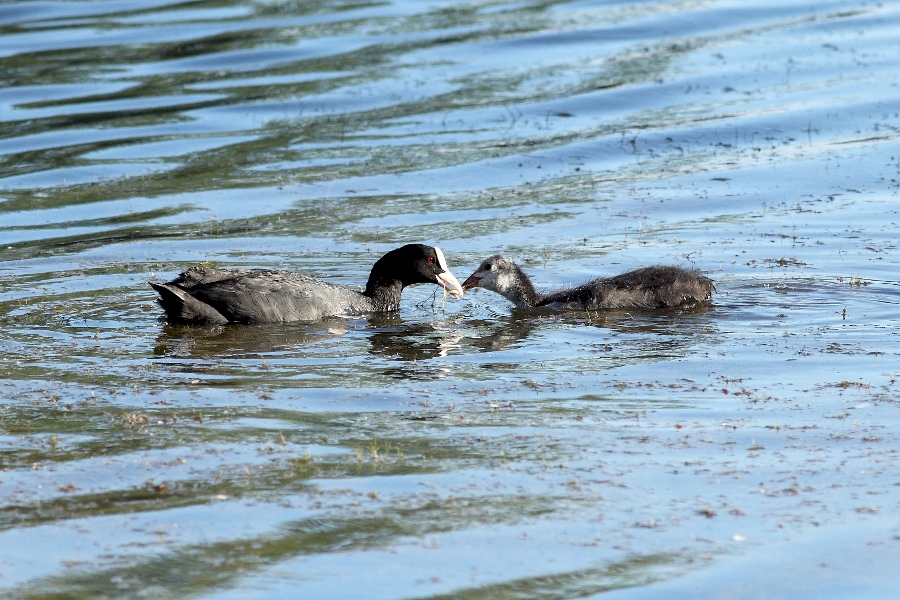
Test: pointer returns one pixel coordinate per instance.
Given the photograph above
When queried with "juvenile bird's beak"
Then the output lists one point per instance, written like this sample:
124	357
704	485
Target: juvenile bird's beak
450	283
471	282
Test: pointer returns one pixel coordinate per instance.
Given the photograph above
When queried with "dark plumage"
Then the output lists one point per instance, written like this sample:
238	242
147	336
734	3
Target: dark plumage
649	287
218	296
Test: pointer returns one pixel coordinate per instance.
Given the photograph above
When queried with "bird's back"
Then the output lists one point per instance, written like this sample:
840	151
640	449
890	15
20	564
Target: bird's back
648	287
211	295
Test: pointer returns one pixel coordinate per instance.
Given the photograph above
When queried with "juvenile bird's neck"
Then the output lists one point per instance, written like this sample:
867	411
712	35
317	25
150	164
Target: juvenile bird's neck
520	291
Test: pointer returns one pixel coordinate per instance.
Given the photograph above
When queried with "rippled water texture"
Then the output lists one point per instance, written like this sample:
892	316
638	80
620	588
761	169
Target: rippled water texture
460	449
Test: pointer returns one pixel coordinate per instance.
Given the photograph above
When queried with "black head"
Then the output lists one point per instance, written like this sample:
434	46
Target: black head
416	263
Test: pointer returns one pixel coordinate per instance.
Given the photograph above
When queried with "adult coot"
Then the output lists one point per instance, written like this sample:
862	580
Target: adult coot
649	287
218	296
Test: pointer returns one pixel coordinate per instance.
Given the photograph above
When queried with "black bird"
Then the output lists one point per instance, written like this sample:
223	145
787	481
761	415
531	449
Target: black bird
218	296
649	287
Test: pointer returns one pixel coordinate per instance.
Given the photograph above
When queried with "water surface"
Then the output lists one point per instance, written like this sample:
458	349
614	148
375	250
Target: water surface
458	448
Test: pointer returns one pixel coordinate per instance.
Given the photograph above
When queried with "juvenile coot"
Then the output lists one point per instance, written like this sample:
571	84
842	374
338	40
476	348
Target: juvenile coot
218	296
649	287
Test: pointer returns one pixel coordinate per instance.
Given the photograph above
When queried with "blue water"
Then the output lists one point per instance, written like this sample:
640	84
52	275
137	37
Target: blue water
459	448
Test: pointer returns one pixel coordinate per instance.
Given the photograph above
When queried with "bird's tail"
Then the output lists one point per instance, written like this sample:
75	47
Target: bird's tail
181	307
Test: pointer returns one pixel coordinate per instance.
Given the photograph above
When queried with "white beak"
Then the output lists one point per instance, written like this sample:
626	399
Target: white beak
446	279
450	283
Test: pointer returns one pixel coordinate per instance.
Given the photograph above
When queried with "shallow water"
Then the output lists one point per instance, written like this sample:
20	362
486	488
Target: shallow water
460	448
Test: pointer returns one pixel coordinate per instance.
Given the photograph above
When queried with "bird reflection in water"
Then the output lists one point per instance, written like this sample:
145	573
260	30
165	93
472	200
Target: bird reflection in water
235	341
413	350
410	346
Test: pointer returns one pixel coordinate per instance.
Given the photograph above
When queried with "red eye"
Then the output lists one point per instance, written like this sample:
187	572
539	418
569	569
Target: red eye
429	260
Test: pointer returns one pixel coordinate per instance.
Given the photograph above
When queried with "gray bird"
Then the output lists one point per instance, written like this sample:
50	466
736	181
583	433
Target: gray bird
217	296
649	287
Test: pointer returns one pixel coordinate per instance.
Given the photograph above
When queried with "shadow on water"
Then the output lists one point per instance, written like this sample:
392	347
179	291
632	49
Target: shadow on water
382	350
235	341
394	339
